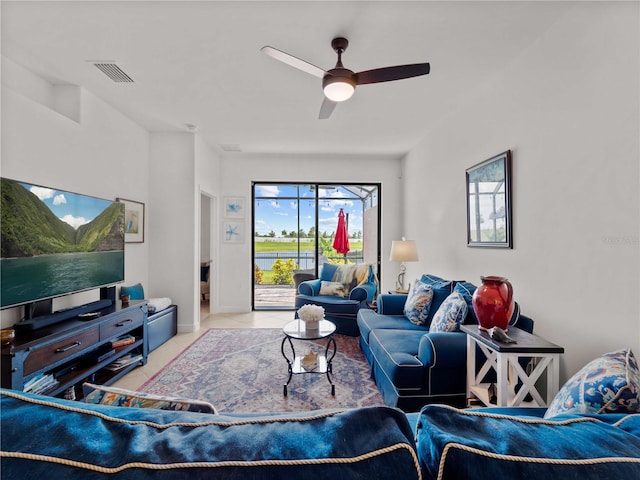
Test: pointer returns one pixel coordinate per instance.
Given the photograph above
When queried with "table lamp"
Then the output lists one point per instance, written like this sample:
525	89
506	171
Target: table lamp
403	251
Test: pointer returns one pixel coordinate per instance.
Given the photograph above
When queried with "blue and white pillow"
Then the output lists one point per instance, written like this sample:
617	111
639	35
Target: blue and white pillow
608	384
119	397
450	314
467	290
416	307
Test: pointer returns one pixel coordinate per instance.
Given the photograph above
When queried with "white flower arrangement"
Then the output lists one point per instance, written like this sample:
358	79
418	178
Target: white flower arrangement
311	315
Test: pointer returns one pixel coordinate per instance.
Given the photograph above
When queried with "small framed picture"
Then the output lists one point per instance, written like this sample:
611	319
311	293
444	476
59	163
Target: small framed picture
133	220
234	207
233	232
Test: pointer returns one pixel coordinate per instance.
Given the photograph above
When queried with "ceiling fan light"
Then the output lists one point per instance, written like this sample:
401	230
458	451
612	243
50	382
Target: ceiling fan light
338	89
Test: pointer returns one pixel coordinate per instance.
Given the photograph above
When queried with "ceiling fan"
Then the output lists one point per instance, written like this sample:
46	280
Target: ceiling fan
339	83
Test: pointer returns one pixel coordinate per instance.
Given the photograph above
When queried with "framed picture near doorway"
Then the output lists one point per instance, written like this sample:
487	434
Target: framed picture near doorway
489	203
133	220
234	207
233	232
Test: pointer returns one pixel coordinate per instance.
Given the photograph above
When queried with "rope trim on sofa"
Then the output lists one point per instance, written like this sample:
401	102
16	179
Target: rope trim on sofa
222	464
529	420
521	459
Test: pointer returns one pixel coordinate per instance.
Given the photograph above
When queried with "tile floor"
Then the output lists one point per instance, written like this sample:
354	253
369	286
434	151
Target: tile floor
167	351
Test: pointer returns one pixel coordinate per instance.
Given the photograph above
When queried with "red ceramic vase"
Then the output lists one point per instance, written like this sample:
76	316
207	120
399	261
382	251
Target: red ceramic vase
493	303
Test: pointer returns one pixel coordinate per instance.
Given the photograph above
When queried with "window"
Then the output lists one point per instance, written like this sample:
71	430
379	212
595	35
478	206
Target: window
293	230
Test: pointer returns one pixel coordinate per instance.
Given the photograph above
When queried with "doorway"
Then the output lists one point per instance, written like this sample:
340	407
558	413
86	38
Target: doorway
294	225
206	266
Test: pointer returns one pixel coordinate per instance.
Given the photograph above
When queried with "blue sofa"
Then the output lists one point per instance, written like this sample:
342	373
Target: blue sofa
45	437
340	309
412	366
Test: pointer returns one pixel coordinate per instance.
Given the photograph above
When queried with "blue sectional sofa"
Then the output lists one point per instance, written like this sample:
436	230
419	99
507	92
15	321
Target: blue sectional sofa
411	365
46	437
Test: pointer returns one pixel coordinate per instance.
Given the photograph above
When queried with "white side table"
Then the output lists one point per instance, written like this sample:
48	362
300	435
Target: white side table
501	356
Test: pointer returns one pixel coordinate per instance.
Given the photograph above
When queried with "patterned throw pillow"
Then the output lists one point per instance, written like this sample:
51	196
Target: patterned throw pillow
336	289
467	290
450	315
416	307
608	384
120	397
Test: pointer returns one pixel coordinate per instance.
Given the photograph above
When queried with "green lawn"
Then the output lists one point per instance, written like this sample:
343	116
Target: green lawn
305	245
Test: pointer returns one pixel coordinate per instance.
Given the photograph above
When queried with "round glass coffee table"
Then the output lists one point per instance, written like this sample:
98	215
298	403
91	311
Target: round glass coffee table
298	364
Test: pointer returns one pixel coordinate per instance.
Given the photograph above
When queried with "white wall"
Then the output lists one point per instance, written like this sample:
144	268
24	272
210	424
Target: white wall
107	155
104	155
238	171
172	232
208	185
568	109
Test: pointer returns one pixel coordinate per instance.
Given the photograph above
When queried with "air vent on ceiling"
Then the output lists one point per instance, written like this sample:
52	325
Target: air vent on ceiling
230	147
113	71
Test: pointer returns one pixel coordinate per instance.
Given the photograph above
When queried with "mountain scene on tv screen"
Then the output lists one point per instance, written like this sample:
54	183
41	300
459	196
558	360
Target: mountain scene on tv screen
30	228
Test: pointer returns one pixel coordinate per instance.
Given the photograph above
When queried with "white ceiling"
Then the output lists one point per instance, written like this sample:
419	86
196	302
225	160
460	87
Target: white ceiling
200	63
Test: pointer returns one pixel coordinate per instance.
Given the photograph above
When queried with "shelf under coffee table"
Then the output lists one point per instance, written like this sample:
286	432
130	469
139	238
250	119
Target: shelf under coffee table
296	330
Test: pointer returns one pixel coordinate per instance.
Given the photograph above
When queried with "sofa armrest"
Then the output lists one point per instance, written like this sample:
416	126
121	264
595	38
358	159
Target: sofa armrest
366	291
310	287
449	349
391	303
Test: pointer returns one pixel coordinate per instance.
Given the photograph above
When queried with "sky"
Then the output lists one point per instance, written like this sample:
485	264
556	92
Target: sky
71	208
279	210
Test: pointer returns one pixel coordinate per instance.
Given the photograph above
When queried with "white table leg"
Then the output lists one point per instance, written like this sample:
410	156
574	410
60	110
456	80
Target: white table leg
502	380
471	366
553	378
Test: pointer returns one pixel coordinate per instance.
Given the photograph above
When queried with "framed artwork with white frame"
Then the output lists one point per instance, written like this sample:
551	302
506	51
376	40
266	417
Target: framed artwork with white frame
234	207
233	232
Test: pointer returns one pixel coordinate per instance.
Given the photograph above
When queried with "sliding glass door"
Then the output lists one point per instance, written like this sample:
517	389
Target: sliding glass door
294	227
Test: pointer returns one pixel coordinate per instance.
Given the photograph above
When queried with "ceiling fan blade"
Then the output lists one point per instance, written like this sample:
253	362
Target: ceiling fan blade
388	74
293	61
327	108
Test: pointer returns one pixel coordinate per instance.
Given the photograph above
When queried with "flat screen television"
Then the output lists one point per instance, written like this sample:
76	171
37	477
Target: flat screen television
56	243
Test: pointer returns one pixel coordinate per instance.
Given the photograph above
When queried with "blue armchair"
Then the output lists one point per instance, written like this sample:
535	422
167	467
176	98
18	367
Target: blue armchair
341	290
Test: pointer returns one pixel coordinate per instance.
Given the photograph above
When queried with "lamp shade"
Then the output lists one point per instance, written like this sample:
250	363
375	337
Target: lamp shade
404	251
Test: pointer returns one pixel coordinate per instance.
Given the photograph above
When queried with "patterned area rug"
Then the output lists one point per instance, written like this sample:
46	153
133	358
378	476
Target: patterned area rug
243	370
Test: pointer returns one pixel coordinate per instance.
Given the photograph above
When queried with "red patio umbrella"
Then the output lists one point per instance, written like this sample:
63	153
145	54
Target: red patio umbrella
341	240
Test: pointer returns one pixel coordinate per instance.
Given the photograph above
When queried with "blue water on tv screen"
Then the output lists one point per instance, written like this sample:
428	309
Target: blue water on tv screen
56	242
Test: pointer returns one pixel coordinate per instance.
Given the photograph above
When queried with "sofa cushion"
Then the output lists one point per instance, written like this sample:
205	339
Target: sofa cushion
431	279
450	315
441	290
396	352
369	320
456	443
92	442
336	306
120	397
416	307
608	384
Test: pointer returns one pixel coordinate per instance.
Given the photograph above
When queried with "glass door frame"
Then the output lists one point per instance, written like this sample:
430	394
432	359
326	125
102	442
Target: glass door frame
374	196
